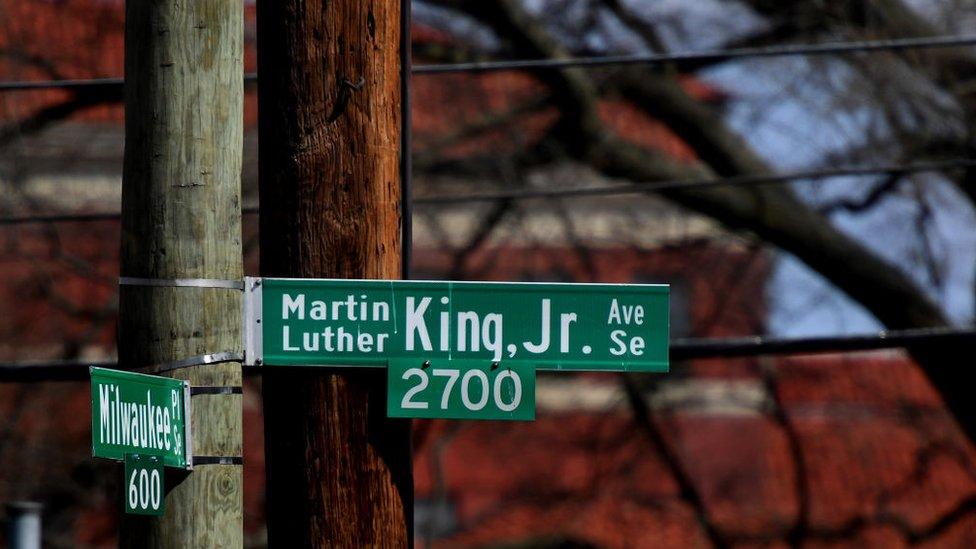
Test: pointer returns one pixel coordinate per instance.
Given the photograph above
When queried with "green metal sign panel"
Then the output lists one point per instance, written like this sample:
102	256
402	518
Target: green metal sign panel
140	414
313	322
144	485
460	389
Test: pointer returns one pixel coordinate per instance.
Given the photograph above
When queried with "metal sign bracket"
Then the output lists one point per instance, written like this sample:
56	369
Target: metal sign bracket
253	313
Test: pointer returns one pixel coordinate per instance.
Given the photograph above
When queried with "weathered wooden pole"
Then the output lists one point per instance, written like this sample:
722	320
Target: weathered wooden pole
181	219
338	471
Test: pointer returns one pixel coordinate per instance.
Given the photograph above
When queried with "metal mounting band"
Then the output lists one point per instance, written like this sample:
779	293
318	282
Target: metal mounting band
182	282
212	358
216	390
218	460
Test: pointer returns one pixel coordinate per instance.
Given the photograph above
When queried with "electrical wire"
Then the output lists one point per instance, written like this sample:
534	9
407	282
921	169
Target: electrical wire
680	58
60	218
680	349
661	186
80	218
687	349
71	84
827	48
630	188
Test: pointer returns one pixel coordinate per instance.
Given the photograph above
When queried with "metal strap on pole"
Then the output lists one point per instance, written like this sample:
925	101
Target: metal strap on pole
182	283
217	460
216	390
211	358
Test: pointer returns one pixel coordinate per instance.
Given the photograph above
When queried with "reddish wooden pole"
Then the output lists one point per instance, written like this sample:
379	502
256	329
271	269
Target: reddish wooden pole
338	471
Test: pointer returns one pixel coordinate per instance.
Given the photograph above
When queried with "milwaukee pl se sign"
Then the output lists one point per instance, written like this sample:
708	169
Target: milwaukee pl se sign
321	322
140	414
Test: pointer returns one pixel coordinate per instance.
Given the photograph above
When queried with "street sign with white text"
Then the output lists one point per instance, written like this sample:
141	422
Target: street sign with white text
140	414
144	485
460	389
318	322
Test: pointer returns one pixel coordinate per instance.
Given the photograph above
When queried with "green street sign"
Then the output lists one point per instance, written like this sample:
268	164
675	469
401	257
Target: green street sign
140	414
315	322
460	389
144	485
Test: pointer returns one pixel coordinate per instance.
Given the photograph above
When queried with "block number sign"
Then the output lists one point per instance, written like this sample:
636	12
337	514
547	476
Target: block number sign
460	389
144	485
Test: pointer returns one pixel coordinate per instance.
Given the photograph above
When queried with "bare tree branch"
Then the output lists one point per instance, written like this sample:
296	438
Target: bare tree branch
775	214
577	243
772	212
486	226
427	158
640	27
689	492
868	201
799	530
56	113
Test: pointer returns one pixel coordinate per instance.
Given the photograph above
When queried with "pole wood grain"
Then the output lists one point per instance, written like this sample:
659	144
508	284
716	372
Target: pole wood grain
338	471
181	218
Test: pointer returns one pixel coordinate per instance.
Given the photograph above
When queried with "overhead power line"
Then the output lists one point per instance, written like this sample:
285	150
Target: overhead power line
681	349
79	84
680	58
69	84
706	56
705	183
688	349
79	218
60	218
53	370
630	188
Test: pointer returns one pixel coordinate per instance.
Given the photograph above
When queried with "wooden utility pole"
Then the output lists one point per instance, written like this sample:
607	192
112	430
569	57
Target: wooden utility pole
181	219
338	470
